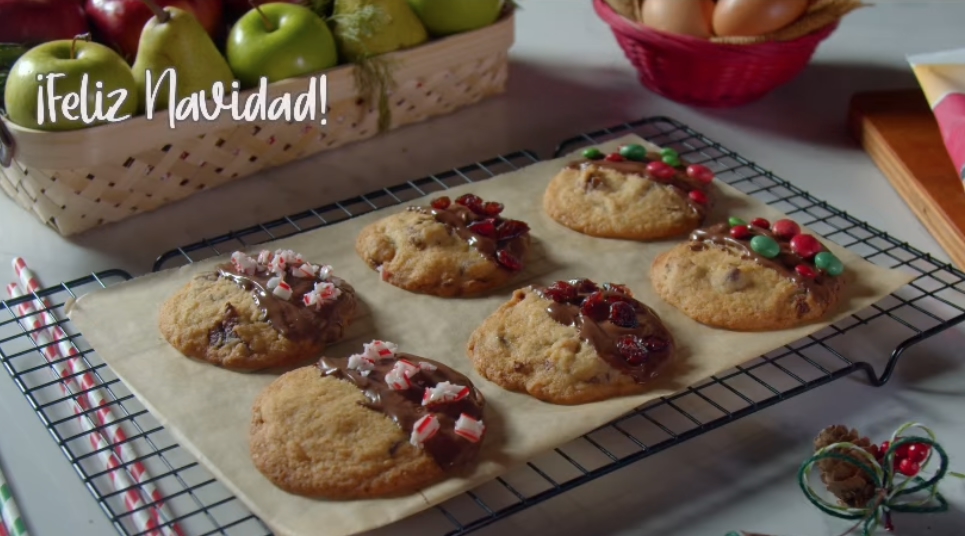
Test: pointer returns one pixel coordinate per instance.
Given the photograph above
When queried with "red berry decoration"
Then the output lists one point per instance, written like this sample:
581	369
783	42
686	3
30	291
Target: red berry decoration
805	271
785	229
908	467
623	315
614	157
902	451
700	173
584	285
885	445
441	203
595	307
561	292
508	260
511	229
761	222
918	452
485	227
633	349
740	232
492	208
698	197
806	246
661	170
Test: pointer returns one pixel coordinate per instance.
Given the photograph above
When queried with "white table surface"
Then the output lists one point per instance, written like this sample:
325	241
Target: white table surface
568	76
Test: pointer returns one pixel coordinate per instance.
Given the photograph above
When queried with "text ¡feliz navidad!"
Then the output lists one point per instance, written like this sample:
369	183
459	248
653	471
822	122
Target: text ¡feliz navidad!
303	106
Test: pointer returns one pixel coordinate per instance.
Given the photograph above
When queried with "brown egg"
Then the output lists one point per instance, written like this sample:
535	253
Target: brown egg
755	17
686	17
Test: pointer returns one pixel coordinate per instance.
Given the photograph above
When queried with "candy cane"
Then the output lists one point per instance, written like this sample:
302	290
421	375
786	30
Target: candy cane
12	524
147	519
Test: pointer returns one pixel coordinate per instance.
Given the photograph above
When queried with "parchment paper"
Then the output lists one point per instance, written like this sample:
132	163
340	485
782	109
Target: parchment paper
207	408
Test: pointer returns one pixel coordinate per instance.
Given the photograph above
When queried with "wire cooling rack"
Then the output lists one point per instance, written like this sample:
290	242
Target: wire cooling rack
200	505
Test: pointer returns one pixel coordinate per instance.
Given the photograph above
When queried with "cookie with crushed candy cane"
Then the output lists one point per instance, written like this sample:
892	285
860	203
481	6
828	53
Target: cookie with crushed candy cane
451	247
273	310
374	424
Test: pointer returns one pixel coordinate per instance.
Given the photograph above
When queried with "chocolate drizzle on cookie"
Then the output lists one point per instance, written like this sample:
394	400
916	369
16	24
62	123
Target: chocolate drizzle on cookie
292	316
450	446
690	182
781	247
625	333
477	222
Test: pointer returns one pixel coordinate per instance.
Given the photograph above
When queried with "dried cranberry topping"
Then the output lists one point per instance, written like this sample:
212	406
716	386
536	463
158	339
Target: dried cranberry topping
492	208
441	203
595	307
616	287
561	292
508	260
633	349
485	227
511	229
622	314
584	285
472	202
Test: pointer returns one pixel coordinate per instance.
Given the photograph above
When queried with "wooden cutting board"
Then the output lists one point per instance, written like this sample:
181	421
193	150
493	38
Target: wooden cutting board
899	132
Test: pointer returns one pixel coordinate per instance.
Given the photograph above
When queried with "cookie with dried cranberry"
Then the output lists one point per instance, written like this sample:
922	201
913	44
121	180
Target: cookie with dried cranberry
750	277
374	424
635	194
255	313
572	342
448	248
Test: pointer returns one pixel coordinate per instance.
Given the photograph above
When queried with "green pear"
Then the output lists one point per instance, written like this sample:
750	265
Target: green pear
365	28
174	39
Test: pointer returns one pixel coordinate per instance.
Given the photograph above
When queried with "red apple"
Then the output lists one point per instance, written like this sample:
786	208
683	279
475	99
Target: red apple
118	23
31	22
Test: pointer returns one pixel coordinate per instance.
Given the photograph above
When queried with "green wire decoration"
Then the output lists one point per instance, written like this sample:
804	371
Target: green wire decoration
892	496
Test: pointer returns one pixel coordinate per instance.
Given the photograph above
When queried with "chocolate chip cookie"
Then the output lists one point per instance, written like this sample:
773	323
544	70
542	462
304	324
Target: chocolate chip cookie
254	313
449	248
750	277
636	194
374	424
572	342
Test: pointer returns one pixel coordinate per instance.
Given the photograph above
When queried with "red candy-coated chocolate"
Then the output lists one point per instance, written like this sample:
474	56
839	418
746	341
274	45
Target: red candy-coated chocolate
700	173
806	271
740	232
806	246
785	229
614	157
661	170
761	222
698	197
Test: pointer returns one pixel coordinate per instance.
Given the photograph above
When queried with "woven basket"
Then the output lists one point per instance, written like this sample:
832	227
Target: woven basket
78	180
698	72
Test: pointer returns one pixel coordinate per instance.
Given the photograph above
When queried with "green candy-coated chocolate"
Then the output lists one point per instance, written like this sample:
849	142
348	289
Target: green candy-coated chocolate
671	160
592	154
765	246
829	263
634	151
734	222
669	152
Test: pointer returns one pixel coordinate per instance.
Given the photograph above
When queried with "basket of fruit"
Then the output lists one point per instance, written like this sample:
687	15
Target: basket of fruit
720	53
113	108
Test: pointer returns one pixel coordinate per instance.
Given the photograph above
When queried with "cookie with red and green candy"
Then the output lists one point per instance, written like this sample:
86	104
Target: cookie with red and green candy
634	193
755	276
449	247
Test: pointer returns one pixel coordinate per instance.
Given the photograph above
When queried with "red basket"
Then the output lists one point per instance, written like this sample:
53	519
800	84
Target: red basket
698	72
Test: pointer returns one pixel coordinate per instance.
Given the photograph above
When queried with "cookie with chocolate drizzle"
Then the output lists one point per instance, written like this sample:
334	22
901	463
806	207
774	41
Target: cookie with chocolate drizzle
572	342
255	313
448	248
374	424
756	276
637	193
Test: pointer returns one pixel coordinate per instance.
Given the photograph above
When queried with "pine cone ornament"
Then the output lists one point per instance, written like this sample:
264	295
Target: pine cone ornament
850	484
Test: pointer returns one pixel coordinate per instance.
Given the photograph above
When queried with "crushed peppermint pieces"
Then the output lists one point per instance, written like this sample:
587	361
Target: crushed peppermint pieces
381	349
469	428
424	429
283	262
243	263
362	363
400	377
283	291
443	393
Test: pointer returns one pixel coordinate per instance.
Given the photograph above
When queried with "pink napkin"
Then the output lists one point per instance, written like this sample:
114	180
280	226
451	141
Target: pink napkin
942	77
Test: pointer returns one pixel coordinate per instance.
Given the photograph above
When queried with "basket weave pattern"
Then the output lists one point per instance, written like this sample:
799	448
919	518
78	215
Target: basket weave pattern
120	185
699	72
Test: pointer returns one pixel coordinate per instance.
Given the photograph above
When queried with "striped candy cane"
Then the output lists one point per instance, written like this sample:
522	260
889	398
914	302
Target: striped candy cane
147	519
12	522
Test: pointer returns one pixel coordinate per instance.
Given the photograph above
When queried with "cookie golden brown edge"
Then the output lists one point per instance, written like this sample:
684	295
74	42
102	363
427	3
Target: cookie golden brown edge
572	342
757	276
375	424
635	193
273	310
449	248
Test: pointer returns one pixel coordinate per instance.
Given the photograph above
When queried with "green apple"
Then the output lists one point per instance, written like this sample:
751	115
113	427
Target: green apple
279	41
447	17
69	84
